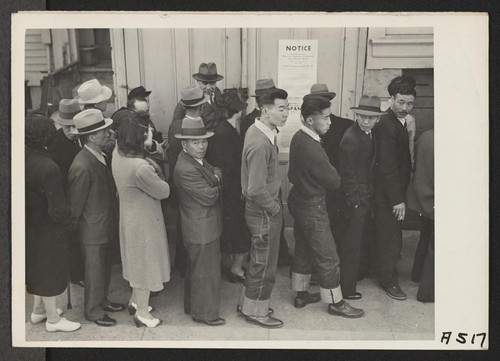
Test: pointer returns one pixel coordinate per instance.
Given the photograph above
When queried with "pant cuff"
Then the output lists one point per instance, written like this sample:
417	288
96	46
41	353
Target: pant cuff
331	295
300	282
254	307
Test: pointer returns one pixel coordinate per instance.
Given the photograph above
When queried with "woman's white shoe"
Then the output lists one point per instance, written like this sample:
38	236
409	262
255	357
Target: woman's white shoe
141	321
36	318
63	325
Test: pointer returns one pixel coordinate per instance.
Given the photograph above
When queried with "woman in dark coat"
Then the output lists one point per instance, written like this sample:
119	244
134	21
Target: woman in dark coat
47	225
224	151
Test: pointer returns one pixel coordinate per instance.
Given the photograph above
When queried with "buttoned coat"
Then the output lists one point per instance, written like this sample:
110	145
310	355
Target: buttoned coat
199	200
92	199
357	163
393	166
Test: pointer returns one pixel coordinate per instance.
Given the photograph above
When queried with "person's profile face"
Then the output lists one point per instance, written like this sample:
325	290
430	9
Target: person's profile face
320	122
196	148
277	113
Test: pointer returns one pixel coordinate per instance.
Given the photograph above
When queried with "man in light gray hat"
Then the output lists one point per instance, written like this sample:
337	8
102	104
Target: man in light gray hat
94	210
93	95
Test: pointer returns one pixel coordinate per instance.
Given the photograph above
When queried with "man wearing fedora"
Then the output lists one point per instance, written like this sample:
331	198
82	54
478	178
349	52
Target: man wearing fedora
192	99
93	95
63	149
260	87
93	203
331	142
357	164
312	175
199	187
260	184
392	177
211	111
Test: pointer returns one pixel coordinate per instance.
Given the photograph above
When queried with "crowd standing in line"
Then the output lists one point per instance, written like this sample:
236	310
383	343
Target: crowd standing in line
97	193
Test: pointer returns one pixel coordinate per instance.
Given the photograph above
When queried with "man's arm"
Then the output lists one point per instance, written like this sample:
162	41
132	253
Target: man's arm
79	180
192	181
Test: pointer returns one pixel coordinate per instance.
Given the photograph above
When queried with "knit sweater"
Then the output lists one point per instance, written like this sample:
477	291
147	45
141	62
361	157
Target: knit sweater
260	180
310	170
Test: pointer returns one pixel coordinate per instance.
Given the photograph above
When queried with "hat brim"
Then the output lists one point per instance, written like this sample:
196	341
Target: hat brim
105	95
180	136
197	77
107	121
203	101
329	95
262	91
366	112
62	121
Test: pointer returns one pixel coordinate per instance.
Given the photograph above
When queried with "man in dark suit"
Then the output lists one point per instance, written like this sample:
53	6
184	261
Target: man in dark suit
211	111
331	143
357	162
93	203
63	149
199	186
260	87
392	176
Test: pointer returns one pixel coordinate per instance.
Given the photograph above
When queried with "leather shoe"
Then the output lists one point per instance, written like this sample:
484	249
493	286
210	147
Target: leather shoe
345	310
105	321
217	322
395	292
235	278
302	302
265	321
114	307
270	311
354	296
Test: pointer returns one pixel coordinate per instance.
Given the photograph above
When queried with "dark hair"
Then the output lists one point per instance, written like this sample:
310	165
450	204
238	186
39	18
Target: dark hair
130	135
314	105
38	129
404	85
268	97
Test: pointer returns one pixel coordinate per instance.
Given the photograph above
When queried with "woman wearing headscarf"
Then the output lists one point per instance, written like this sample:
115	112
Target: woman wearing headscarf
47	226
143	239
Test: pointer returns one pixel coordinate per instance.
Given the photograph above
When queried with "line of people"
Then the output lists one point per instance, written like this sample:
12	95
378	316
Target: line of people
102	187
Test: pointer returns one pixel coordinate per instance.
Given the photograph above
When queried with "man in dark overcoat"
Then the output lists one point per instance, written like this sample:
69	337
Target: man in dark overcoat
211	111
63	149
392	176
199	186
94	207
357	163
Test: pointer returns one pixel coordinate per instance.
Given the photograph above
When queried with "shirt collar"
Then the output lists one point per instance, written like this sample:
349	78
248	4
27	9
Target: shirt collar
196	159
268	132
96	154
309	132
402	120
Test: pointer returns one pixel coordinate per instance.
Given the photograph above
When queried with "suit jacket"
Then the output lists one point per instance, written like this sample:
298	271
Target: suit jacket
199	200
211	114
393	167
357	163
247	121
63	151
92	199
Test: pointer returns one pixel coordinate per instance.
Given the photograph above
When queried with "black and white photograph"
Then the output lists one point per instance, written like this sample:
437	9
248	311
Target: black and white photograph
250	181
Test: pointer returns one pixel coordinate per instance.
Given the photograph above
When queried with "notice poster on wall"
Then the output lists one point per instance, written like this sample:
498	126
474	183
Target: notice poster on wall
297	72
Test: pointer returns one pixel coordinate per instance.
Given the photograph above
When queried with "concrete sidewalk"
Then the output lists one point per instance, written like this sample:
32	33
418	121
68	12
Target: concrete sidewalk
385	318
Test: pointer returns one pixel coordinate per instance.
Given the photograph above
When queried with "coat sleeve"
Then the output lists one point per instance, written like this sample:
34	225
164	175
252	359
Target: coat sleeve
58	209
389	164
148	181
192	181
424	174
79	180
348	160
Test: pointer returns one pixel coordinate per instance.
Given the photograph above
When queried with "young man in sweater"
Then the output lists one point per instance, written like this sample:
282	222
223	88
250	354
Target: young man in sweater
260	184
312	176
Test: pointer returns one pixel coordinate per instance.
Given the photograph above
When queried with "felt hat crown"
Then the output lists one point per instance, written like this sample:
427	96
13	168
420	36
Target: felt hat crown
68	108
262	85
192	96
92	92
139	92
90	121
193	128
321	90
368	105
208	72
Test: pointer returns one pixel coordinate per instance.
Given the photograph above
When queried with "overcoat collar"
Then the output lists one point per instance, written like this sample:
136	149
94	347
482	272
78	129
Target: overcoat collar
206	169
